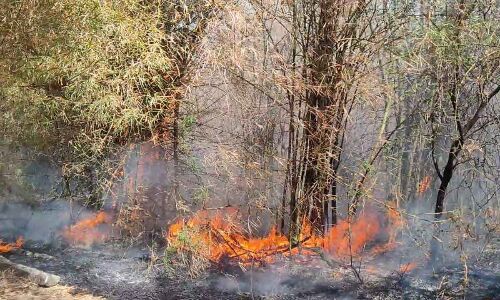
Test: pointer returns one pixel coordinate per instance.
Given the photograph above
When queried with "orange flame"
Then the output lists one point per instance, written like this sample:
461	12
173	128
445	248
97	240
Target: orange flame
424	185
225	238
219	236
408	267
7	247
395	221
87	232
347	238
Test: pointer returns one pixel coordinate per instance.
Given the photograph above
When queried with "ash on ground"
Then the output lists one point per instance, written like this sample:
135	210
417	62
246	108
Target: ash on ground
116	272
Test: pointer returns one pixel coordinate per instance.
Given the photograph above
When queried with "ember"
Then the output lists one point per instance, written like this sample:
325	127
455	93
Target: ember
88	231
222	237
424	185
8	247
408	267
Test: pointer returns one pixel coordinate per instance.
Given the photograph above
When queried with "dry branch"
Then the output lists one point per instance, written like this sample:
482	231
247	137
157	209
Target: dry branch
39	277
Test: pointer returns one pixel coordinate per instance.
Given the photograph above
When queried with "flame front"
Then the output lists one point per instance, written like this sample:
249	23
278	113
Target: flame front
87	231
220	236
8	247
408	267
347	238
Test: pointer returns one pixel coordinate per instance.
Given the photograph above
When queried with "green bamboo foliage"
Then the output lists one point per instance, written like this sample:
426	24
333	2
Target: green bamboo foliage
81	78
90	74
84	71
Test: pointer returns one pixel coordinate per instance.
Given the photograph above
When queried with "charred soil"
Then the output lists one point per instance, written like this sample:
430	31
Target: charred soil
117	272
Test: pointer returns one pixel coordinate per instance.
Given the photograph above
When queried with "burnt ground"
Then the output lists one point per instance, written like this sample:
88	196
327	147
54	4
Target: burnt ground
115	272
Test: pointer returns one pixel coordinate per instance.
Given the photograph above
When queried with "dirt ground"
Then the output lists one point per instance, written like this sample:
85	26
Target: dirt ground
113	272
13	287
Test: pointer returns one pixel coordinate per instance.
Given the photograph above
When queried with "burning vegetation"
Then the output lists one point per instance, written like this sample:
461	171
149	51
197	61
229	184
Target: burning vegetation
316	114
424	185
219	235
88	231
8	247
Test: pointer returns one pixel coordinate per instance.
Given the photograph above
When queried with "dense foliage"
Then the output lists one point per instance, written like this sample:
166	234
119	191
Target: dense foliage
79	77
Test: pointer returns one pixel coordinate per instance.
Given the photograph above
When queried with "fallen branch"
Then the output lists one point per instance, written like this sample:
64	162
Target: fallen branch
39	277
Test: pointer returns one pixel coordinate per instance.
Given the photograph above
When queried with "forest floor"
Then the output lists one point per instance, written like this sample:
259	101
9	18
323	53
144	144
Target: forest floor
114	272
14	288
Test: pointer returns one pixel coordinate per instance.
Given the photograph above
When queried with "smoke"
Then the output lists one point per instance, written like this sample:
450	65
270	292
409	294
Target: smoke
43	223
279	279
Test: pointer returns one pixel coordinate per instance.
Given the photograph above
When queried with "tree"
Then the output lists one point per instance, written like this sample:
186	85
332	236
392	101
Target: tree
345	38
458	49
81	78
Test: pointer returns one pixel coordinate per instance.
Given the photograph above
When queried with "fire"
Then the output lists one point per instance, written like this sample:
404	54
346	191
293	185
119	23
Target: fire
347	239
219	236
405	268
395	221
223	237
7	247
424	185
87	231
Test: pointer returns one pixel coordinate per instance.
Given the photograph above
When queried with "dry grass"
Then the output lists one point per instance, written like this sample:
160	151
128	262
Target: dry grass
15	288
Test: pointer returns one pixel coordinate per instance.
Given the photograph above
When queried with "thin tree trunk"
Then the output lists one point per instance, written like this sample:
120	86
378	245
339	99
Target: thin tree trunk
446	177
